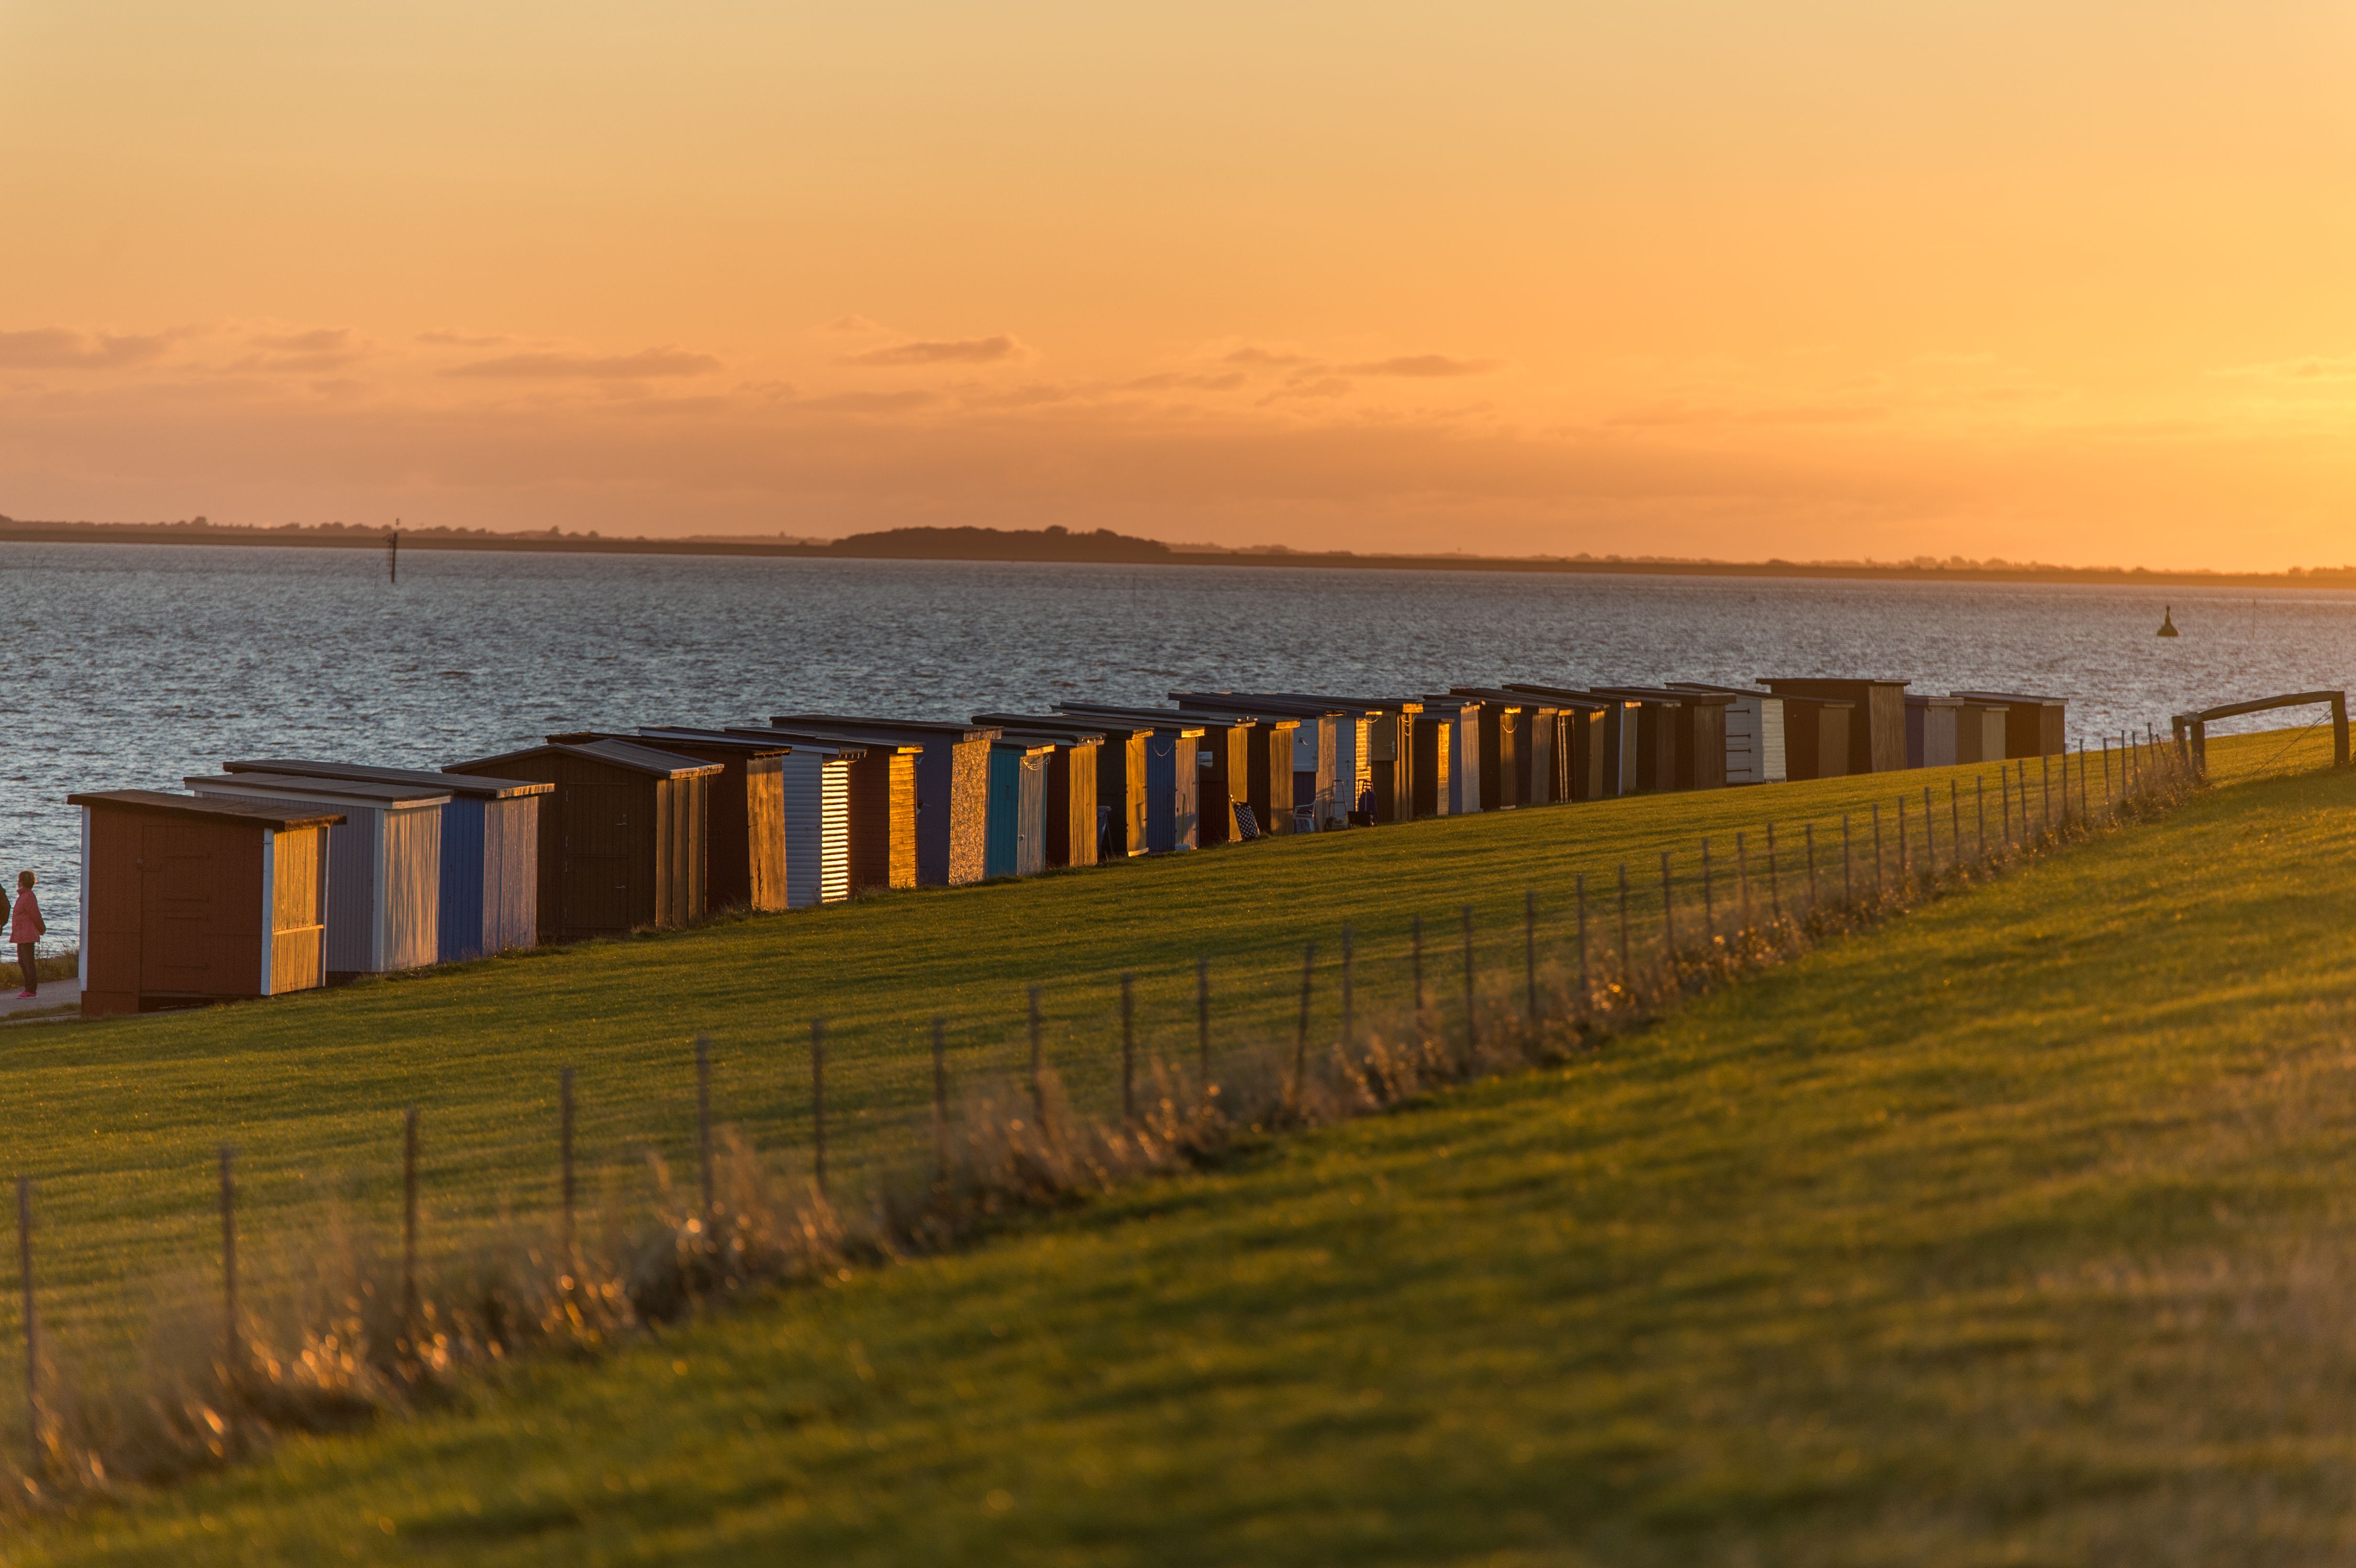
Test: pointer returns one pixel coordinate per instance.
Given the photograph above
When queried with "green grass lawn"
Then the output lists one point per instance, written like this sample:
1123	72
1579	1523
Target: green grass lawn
118	1121
2009	1232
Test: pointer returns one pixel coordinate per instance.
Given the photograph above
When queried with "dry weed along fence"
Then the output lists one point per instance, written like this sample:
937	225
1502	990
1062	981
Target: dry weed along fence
335	1321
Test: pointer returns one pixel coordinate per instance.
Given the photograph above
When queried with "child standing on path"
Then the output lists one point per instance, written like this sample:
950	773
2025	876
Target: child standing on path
26	927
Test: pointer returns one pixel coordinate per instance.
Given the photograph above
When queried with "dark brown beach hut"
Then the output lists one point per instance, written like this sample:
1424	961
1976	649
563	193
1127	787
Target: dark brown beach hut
1755	731
1931	730
952	788
1815	737
2033	726
623	841
1877	724
1695	729
744	829
1595	732
187	901
1539	771
1432	740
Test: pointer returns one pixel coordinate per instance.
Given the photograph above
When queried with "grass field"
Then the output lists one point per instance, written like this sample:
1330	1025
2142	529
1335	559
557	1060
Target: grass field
2015	1222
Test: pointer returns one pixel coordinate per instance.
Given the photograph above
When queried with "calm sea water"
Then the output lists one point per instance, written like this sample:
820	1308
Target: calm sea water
135	665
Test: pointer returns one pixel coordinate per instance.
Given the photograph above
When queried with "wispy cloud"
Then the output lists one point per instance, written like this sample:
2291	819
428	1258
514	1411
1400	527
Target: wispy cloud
869	402
58	347
1253	355
853	323
1424	365
646	364
990	350
443	337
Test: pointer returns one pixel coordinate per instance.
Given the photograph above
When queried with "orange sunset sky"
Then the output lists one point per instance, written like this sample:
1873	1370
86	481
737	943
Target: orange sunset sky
2065	280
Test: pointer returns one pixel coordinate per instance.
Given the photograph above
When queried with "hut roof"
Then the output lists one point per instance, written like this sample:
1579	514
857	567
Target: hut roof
472	786
842	746
627	754
1143	719
1561	696
848	724
359	791
237	812
1371	704
2012	696
1054	726
714	740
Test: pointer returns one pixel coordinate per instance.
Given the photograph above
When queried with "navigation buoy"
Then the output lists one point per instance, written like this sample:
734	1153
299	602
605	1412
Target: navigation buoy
2168	621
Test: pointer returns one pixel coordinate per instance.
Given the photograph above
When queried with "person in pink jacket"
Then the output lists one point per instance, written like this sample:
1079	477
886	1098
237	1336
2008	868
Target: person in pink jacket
25	929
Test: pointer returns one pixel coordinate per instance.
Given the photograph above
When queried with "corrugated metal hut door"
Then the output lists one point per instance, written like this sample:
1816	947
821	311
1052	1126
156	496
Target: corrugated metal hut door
175	905
597	856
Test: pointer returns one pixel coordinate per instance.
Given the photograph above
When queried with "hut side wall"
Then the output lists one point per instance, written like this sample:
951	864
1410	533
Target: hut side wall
1080	830
1001	845
969	761
354	937
1709	730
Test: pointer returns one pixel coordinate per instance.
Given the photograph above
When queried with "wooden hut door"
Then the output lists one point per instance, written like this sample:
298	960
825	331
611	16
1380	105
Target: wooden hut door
597	857
176	906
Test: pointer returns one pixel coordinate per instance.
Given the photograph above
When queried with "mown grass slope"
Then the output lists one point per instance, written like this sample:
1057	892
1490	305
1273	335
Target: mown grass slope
118	1121
2017	1231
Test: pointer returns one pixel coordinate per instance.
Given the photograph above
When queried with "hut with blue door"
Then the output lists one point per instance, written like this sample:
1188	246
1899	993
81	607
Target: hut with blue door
1227	756
1073	830
952	786
1018	807
491	849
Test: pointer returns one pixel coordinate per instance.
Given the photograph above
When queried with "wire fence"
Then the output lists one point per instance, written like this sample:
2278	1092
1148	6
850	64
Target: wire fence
1084	1087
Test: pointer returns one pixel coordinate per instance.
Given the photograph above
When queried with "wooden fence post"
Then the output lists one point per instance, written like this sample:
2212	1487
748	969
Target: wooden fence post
1038	1089
1349	992
564	1157
817	1105
1774	890
232	1361
1128	1046
1979	806
1742	884
1586	988
1627	969
1905	874
1709	914
33	1414
940	1102
703	1122
1415	961
1203	1020
1879	890
1471	1025
408	1226
1530	956
1668	915
1808	831
1848	884
1300	1035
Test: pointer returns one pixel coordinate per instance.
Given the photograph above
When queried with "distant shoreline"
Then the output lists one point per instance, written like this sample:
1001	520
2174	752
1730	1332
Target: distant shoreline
1029	548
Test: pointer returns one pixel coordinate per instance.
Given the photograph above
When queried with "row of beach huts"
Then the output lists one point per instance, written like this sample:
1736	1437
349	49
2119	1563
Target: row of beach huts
281	874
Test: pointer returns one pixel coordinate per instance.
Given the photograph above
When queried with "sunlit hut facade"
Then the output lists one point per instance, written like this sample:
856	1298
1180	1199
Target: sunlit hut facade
384	864
491	849
1018	806
1223	755
1526	752
878	811
622	835
1877	720
1754	733
1072	824
745	827
1323	734
2033	726
1816	736
235	904
952	787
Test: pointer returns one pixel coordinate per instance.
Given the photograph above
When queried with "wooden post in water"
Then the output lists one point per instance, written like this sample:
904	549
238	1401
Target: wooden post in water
233	1360
940	1102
